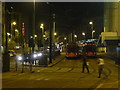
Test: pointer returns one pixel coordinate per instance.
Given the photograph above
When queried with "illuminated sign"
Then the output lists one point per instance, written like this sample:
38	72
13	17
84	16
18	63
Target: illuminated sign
23	29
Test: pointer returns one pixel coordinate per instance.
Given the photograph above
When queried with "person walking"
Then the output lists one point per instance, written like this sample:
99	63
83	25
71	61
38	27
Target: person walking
85	64
100	66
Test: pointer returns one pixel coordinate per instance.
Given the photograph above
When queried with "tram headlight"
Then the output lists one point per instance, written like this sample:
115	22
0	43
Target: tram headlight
39	54
20	58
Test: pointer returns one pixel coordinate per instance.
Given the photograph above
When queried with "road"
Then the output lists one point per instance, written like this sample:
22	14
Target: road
65	74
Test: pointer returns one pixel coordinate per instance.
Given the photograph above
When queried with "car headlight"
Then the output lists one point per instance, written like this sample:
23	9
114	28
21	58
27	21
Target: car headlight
19	58
39	54
34	55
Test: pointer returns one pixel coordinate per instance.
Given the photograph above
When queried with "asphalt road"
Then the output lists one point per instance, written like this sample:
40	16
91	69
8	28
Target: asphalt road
65	74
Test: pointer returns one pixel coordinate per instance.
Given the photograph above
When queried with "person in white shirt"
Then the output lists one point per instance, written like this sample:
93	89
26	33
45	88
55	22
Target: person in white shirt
100	66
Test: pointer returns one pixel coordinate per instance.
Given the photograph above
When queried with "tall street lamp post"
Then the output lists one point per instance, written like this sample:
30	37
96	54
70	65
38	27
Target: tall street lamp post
12	28
93	33
91	23
9	35
42	27
75	37
83	34
65	40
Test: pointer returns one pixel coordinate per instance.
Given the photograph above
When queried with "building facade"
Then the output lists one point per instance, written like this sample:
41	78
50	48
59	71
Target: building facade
111	34
112	18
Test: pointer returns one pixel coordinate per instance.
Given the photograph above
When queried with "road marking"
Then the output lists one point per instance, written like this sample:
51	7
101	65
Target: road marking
106	83
99	86
46	79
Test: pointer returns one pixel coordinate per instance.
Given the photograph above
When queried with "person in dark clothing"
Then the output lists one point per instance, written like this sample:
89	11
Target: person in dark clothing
85	64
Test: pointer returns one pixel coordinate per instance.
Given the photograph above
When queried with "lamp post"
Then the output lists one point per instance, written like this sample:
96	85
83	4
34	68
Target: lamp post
91	23
55	34
16	32
93	33
83	34
14	23
42	27
65	40
8	36
75	37
12	28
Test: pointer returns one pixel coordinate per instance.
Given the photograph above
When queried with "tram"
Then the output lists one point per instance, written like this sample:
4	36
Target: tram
90	50
72	50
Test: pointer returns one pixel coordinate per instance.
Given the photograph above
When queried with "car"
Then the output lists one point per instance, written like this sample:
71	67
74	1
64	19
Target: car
17	47
12	53
29	57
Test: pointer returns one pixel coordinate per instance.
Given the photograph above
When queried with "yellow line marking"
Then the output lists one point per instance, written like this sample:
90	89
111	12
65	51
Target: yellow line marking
99	86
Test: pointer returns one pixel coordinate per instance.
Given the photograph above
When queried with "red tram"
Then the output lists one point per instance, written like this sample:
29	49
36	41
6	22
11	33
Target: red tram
72	50
90	50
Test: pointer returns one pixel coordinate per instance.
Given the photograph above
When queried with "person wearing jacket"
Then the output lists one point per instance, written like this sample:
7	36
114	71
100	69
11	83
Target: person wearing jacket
100	66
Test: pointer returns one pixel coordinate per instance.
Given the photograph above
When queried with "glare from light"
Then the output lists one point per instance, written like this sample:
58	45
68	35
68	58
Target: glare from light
17	47
14	23
35	35
16	30
39	54
93	31
83	34
19	58
44	35
55	34
91	23
31	36
35	55
65	38
75	36
8	34
42	25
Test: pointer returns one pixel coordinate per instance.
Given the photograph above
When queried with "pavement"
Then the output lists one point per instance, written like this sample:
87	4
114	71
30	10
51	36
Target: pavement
59	58
48	77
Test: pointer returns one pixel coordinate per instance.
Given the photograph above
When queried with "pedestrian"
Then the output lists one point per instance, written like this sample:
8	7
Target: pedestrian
85	64
100	66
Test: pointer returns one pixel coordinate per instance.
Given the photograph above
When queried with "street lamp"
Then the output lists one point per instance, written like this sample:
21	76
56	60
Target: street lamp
44	36
91	23
8	34
75	36
13	28
16	30
55	34
83	34
35	36
65	38
93	33
42	27
31	36
14	23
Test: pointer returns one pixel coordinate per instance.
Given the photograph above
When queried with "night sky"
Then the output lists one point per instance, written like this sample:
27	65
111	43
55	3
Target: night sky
70	16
